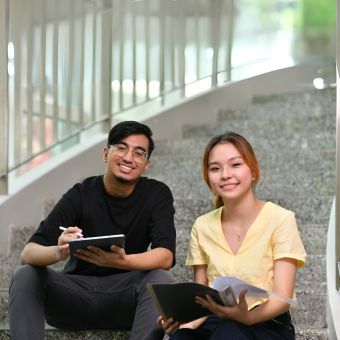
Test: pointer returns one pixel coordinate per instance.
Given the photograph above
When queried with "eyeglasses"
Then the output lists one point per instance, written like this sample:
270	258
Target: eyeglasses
121	150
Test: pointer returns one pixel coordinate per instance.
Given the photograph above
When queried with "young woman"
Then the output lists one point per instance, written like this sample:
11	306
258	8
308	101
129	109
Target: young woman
244	237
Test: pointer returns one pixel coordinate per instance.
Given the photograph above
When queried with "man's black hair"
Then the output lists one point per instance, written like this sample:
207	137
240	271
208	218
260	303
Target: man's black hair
128	128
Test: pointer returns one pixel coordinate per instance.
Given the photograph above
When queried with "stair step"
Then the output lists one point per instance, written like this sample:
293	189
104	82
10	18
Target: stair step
277	166
252	129
305	208
296	184
314	145
54	334
18	236
308	97
311	334
315	248
309	312
8	265
310	209
187	210
3	305
314	239
314	273
279	114
57	334
288	166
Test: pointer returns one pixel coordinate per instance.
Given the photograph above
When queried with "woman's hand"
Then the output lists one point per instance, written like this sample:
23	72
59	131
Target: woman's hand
194	324
169	325
238	312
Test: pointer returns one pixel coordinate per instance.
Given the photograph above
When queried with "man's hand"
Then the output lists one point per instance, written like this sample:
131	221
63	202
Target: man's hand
116	258
63	242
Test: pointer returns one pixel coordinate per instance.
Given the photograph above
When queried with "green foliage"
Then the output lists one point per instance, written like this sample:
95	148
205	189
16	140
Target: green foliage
319	13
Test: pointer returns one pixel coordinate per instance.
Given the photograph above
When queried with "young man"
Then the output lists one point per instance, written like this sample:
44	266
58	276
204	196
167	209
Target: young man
100	289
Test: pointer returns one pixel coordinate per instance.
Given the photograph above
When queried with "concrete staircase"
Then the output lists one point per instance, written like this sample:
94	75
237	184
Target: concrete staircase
294	138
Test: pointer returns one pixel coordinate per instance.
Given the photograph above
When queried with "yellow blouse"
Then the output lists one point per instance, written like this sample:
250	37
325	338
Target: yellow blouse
273	235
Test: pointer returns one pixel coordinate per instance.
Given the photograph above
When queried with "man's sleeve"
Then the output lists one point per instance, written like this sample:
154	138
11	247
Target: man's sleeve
163	232
66	213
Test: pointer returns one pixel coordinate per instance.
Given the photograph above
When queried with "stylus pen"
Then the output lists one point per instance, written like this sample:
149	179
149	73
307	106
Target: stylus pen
78	234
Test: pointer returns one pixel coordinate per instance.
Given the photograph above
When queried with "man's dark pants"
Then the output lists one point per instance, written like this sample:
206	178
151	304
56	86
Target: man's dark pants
77	302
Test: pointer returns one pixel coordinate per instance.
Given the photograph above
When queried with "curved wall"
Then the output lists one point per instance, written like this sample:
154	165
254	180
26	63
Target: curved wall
25	207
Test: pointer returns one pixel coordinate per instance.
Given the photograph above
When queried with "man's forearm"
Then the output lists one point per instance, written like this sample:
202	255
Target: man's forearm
152	259
39	255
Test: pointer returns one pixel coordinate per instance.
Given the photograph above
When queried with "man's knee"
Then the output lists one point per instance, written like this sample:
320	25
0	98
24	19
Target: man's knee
152	276
26	276
158	276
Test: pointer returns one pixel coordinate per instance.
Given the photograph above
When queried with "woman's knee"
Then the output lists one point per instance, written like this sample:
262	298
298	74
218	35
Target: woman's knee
234	329
184	334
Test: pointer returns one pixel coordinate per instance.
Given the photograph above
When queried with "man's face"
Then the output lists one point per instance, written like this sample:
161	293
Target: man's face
127	167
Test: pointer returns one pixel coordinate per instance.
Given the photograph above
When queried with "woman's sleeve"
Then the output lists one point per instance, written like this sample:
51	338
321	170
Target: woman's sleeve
287	241
196	255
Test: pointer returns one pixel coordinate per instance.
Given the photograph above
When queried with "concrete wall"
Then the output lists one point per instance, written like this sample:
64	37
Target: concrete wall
333	298
25	206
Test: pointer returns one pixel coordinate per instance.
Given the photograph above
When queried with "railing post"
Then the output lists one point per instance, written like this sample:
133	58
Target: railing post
42	77
4	13
106	63
215	22
55	75
70	66
94	65
230	41
181	36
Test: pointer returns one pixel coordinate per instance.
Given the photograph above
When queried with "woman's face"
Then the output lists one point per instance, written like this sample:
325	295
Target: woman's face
229	176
